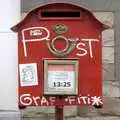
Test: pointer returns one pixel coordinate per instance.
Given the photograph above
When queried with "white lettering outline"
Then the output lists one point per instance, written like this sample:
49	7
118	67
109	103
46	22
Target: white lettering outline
85	51
26	97
33	40
90	45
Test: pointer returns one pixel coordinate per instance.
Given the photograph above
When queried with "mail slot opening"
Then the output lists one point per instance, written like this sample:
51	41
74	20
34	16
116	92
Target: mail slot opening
58	14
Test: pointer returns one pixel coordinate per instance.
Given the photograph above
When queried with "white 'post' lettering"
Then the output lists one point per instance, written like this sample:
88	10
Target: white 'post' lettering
90	45
81	49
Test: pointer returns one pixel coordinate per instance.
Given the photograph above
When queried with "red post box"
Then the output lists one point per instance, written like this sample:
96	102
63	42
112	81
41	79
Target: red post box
60	56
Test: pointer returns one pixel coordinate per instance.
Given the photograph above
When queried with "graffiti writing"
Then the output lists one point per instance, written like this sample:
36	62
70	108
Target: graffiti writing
82	51
28	99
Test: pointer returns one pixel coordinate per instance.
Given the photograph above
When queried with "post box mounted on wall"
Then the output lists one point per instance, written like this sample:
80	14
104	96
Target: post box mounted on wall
60	56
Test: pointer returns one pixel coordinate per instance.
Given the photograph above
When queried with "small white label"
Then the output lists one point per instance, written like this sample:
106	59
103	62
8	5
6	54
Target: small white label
35	32
28	74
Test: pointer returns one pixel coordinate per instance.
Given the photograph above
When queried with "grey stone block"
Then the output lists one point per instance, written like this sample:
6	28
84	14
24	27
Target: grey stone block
111	88
111	107
10	115
37	112
70	111
105	17
108	72
85	111
94	118
108	54
108	38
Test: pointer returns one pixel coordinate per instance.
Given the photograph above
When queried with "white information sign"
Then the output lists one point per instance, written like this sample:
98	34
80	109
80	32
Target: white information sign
61	80
28	74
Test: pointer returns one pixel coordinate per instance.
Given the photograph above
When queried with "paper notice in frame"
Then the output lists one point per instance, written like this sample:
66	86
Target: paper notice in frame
61	77
28	74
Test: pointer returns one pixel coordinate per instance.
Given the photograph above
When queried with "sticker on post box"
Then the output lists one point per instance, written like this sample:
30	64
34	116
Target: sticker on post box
61	77
28	74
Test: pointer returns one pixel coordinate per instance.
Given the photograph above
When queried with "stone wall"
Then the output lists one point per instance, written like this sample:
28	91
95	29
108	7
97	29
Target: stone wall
110	85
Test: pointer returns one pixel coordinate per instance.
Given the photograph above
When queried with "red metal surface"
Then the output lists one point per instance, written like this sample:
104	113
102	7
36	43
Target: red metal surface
87	51
59	113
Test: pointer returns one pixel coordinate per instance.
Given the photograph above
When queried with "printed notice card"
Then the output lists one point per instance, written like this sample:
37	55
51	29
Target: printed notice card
28	74
61	77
